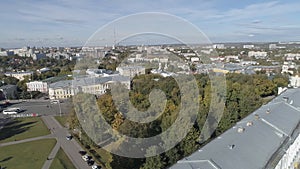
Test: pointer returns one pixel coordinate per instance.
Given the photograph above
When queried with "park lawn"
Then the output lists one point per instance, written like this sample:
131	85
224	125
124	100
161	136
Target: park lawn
61	161
62	120
23	128
31	154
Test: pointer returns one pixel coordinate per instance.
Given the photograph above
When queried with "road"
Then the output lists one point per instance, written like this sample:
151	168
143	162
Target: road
47	112
70	147
41	107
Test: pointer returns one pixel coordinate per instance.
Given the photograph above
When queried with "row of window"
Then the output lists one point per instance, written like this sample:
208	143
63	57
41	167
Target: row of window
64	92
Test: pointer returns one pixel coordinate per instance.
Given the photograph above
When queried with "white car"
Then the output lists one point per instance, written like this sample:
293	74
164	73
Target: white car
55	101
86	157
69	137
96	167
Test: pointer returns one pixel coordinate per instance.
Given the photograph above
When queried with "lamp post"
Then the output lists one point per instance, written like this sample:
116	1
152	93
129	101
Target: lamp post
59	107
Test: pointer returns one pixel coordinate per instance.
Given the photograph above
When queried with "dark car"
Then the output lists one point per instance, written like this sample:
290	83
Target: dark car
82	153
90	162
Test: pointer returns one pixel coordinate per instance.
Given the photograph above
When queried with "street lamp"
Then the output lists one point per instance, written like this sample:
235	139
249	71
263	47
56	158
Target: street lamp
59	107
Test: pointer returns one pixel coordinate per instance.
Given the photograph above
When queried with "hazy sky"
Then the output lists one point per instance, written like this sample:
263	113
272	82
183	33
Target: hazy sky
72	22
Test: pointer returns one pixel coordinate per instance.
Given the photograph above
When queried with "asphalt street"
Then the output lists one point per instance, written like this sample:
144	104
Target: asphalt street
70	147
47	111
40	107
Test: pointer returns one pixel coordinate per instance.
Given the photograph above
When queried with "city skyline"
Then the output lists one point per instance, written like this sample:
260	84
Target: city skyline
68	23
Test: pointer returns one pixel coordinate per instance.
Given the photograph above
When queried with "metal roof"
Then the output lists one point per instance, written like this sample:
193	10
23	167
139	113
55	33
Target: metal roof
88	81
252	148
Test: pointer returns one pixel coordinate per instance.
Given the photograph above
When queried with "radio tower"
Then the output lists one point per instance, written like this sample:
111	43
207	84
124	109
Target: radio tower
115	41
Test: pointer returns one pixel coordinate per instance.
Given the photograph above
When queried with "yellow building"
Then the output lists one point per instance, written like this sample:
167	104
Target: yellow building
95	85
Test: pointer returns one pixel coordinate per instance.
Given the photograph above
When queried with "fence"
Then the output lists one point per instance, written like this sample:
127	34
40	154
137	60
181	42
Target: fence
25	115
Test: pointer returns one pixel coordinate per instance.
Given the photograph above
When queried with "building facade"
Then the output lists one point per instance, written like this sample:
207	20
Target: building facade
258	54
37	86
18	75
295	81
131	71
92	85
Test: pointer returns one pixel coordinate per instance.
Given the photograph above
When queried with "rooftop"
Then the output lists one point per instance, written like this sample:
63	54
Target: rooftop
253	141
88	81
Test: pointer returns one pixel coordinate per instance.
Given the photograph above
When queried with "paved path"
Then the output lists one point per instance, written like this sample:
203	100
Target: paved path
52	155
27	140
70	147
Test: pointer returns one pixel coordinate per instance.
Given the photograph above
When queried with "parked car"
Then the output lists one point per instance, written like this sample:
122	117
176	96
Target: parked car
55	101
90	162
86	157
69	137
96	167
82	153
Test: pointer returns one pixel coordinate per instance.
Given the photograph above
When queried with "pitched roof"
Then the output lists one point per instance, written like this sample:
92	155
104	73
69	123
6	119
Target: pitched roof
273	125
88	81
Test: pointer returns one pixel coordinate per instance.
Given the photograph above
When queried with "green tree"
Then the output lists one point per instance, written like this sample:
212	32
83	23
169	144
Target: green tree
155	161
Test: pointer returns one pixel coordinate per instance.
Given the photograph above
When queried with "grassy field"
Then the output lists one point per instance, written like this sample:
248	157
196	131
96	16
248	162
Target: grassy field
23	128
26	155
61	161
62	120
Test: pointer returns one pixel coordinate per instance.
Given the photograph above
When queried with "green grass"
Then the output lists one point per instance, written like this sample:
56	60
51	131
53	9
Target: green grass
23	128
26	155
61	161
62	120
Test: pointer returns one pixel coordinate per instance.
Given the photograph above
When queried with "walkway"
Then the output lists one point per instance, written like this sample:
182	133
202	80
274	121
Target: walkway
27	140
70	147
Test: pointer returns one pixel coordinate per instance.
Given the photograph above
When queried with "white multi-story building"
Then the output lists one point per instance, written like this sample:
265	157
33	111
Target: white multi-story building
218	46
6	53
295	81
61	90
25	51
92	85
248	46
291	157
288	67
58	55
232	57
258	54
37	86
19	75
292	56
272	46
131	71
195	59
249	63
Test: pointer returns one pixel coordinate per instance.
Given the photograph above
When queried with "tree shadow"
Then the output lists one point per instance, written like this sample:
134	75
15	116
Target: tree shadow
14	127
9	104
5	159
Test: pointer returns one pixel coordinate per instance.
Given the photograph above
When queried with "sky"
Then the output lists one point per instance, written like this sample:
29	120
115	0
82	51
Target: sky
73	22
